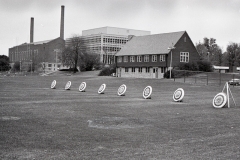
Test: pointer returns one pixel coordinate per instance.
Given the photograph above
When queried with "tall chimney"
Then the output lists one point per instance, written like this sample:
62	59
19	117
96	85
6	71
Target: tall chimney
62	23
31	29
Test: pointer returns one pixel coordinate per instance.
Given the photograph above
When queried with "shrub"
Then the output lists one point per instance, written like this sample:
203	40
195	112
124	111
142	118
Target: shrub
107	70
167	74
193	66
204	66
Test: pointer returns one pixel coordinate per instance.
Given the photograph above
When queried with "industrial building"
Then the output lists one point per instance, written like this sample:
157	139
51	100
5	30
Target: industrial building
43	55
107	41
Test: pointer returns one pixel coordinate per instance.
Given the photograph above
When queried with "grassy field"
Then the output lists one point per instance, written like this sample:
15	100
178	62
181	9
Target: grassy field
42	123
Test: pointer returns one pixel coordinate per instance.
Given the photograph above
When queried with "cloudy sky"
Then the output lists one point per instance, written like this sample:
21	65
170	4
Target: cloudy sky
219	19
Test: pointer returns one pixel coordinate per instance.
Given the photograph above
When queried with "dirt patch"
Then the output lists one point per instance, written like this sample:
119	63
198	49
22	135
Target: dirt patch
116	123
9	118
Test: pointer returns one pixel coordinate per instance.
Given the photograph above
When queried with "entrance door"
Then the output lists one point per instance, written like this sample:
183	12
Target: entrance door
155	72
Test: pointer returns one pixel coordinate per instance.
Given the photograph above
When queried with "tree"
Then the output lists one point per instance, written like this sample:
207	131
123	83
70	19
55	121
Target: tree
71	54
89	61
202	50
4	63
76	55
16	66
210	51
233	55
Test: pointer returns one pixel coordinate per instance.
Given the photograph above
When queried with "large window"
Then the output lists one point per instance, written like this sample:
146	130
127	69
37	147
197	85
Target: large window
184	57
119	59
154	58
132	59
140	69
126	69
146	58
133	69
139	58
162	58
147	69
125	58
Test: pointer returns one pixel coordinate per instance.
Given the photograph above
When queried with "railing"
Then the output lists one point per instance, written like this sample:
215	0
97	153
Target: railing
204	78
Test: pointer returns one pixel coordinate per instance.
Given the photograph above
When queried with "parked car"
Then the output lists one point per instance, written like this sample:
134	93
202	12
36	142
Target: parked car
235	82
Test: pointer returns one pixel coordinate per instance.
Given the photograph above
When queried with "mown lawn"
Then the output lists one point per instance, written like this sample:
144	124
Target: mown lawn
42	123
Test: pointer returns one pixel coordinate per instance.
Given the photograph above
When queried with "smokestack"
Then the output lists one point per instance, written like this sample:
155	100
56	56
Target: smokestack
62	23
31	29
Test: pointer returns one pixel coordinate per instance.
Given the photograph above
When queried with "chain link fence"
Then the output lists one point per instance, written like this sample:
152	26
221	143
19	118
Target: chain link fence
203	78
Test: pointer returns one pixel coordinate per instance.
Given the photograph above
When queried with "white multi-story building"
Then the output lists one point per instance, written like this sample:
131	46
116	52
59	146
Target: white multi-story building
107	41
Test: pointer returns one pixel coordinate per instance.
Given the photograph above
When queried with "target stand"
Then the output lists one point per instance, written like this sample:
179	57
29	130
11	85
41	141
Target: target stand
53	85
102	89
147	92
68	85
122	89
222	98
178	95
82	87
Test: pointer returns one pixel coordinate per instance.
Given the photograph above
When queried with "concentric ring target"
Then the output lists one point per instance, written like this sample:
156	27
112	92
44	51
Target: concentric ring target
82	87
101	89
178	95
220	100
53	85
122	89
147	92
68	85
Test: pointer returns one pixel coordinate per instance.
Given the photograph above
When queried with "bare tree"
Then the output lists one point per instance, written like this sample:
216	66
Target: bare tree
72	54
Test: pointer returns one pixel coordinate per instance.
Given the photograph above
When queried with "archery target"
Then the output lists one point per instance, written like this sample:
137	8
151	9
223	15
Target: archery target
178	95
122	89
220	100
101	89
53	85
68	85
147	92
82	87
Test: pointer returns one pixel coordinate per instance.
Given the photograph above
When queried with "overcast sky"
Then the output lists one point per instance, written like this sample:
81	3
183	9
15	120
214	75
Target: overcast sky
219	19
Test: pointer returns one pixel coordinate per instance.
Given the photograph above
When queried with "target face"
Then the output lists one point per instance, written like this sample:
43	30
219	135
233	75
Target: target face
147	92
82	87
122	89
53	85
220	100
178	95
101	89
68	85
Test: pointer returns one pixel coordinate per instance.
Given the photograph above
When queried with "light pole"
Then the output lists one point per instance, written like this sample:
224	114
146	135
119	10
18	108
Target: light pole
171	48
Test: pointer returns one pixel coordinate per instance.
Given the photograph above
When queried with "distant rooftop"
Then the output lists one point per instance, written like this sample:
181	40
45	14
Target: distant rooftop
115	31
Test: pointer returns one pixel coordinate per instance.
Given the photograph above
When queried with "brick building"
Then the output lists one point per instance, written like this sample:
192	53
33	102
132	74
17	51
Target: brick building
44	52
152	55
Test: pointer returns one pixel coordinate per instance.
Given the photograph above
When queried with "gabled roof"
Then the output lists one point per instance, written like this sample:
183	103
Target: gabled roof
150	44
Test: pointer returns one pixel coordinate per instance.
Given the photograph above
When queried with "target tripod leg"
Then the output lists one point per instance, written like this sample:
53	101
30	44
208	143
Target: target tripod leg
228	95
232	96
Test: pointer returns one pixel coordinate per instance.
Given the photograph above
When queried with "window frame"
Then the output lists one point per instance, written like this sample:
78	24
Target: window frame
125	58
132	58
154	58
120	59
139	58
147	70
184	57
146	58
162	58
